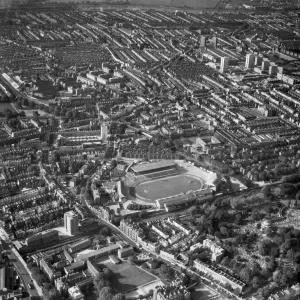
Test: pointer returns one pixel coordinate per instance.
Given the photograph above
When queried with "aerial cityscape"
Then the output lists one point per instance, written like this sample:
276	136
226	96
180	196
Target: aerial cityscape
150	150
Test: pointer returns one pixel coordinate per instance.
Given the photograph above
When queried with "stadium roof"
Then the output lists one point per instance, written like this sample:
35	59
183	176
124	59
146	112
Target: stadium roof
152	166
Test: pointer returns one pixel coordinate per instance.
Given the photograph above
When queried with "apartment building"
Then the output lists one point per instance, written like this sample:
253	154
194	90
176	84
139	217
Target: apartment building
71	222
219	275
216	251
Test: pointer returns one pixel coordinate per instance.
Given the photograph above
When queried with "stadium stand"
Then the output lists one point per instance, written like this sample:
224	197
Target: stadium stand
151	167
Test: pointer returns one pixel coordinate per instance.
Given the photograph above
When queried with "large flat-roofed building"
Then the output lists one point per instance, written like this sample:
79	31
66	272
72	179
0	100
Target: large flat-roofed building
151	167
85	243
75	267
208	142
47	268
112	249
35	240
92	268
125	252
71	222
49	237
68	256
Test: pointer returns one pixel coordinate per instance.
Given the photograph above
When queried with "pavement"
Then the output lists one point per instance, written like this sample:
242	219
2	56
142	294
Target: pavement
222	292
21	268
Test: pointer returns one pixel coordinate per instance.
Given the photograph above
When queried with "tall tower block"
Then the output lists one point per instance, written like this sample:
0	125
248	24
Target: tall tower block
104	132
71	222
224	64
249	64
214	42
203	41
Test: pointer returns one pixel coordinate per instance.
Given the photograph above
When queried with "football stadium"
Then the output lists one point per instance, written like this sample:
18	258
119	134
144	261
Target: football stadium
169	184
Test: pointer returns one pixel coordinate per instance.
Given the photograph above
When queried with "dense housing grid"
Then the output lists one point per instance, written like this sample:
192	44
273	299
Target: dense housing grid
149	150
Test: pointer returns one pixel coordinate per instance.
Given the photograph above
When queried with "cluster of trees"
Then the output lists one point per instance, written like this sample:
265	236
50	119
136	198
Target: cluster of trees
117	129
24	102
245	239
103	286
285	167
256	275
293	179
101	238
280	278
9	114
215	222
166	272
49	291
34	168
201	254
3	260
248	274
243	201
136	206
218	166
68	113
285	244
290	186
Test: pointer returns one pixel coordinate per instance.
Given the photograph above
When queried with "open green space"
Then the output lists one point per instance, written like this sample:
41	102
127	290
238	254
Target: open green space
167	187
126	276
202	292
6	105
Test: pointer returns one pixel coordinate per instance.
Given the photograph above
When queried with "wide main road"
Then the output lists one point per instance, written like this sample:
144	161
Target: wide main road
20	268
19	94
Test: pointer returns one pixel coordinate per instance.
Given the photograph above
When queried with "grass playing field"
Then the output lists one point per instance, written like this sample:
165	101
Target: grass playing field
127	276
167	187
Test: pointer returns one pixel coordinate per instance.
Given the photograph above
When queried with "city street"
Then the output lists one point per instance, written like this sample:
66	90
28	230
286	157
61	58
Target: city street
23	272
178	268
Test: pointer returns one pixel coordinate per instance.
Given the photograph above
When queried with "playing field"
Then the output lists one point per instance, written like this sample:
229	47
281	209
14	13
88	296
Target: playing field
167	187
126	276
203	292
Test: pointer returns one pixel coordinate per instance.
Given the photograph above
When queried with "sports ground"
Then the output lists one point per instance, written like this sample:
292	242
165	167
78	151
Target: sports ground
126	276
167	187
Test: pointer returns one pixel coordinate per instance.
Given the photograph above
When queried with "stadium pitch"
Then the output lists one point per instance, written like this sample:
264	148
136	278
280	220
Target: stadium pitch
167	187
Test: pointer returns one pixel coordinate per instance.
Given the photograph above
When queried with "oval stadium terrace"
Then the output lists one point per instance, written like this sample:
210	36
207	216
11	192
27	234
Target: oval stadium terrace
151	167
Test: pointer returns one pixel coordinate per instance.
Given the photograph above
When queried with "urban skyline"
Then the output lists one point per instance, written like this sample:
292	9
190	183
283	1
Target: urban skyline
149	150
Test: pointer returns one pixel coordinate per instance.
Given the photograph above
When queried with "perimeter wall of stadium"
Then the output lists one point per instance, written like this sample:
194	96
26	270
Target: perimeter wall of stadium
201	196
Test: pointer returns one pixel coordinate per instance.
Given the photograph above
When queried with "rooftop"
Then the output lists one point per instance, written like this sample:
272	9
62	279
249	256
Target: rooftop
152	166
